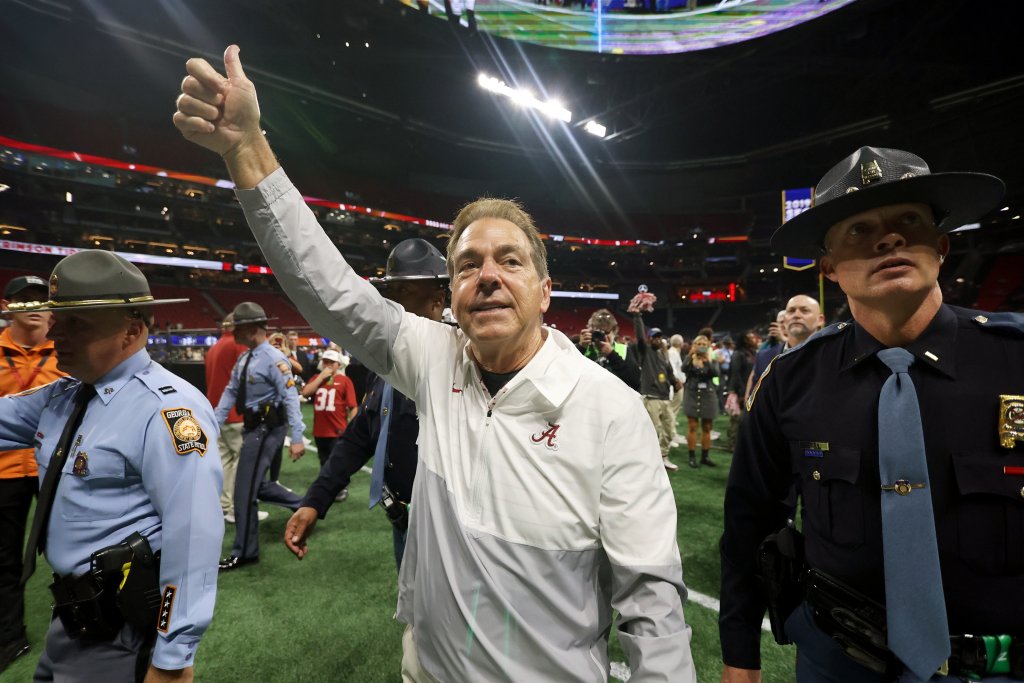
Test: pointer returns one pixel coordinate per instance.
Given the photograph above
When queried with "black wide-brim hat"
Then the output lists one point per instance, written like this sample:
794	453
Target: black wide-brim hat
93	278
873	177
413	259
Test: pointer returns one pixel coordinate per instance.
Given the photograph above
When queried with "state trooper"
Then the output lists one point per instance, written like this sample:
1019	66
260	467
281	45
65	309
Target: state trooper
262	390
128	511
416	277
903	431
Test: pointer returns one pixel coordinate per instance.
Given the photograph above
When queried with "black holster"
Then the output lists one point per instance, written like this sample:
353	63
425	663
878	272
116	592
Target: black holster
265	414
121	586
781	571
396	510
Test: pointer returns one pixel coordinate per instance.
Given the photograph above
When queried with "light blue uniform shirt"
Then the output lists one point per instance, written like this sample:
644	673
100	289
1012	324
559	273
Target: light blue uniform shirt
146	460
269	381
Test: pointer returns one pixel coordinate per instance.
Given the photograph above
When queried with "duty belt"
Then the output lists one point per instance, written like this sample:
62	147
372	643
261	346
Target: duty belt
980	656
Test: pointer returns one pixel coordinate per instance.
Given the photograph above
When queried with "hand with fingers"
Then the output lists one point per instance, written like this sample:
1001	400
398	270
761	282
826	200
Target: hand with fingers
298	529
296	450
215	112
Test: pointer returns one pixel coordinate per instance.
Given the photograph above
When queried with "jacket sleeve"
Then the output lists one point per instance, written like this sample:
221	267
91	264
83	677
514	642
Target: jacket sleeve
185	491
336	301
638	534
754	507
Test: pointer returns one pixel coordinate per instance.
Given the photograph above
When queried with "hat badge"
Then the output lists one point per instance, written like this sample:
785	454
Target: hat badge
870	172
53	286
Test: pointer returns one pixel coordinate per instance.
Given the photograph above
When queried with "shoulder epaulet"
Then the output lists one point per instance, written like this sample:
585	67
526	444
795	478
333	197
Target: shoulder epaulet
824	333
1012	323
160	383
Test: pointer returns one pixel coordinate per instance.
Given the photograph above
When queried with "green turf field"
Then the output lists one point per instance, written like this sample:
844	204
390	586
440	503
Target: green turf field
328	618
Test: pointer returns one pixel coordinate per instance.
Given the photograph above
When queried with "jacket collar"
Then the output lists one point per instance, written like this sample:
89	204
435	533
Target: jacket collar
550	375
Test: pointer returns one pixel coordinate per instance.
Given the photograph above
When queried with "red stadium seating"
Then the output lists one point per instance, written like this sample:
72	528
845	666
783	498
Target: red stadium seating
275	305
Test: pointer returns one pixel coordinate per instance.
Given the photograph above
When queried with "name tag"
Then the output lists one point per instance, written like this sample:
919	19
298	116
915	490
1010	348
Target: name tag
702	385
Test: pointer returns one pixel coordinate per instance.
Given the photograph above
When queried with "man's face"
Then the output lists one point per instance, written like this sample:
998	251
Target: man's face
331	365
90	343
878	255
497	294
30	321
293	339
245	334
803	316
424	298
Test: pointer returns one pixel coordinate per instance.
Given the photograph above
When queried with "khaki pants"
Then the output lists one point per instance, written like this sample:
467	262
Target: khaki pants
230	442
676	403
411	670
661	415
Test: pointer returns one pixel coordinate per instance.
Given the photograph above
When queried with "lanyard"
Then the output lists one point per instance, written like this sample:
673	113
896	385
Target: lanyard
27	383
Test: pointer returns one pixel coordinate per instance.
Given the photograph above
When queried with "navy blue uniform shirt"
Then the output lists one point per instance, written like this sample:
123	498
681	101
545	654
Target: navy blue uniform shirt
357	444
814	419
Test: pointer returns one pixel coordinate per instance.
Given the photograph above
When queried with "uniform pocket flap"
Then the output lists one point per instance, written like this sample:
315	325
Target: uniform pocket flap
983	473
824	462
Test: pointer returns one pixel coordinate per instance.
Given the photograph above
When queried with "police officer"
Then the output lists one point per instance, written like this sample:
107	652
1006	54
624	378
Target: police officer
130	479
263	391
415	278
913	386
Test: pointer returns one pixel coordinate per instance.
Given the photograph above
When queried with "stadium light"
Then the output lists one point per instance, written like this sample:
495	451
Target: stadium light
524	98
595	128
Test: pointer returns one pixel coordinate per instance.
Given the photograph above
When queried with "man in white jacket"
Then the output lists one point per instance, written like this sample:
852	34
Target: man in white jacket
541	502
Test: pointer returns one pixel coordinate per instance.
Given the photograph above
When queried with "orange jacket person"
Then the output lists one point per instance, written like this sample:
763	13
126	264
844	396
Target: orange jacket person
28	362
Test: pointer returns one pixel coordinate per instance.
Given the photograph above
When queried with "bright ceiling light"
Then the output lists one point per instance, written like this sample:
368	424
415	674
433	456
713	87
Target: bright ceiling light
524	98
595	128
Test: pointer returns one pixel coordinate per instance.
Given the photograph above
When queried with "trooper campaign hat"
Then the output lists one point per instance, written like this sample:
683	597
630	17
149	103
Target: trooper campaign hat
93	278
249	312
413	259
873	177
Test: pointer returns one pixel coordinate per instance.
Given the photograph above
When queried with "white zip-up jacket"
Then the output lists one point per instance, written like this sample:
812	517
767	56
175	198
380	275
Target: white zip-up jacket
536	512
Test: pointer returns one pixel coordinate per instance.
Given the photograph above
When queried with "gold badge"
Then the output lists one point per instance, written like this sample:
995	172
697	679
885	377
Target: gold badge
189	436
870	172
1011	420
53	286
81	466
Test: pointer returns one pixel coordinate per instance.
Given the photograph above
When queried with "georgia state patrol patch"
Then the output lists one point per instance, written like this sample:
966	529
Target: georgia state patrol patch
284	367
188	435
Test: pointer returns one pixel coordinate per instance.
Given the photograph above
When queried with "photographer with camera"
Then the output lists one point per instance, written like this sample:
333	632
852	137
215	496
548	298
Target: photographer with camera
598	343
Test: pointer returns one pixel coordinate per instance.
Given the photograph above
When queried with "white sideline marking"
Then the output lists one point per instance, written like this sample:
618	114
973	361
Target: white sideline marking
620	670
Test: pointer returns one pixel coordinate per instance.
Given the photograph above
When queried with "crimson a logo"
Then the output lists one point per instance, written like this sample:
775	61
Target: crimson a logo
547	437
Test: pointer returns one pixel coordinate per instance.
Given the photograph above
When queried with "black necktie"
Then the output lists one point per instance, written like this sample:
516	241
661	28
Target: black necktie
48	491
243	381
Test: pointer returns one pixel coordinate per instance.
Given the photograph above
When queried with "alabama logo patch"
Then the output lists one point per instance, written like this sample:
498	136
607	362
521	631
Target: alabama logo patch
188	435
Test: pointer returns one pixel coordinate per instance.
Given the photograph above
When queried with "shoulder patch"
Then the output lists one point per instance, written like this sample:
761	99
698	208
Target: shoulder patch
167	390
186	431
284	367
